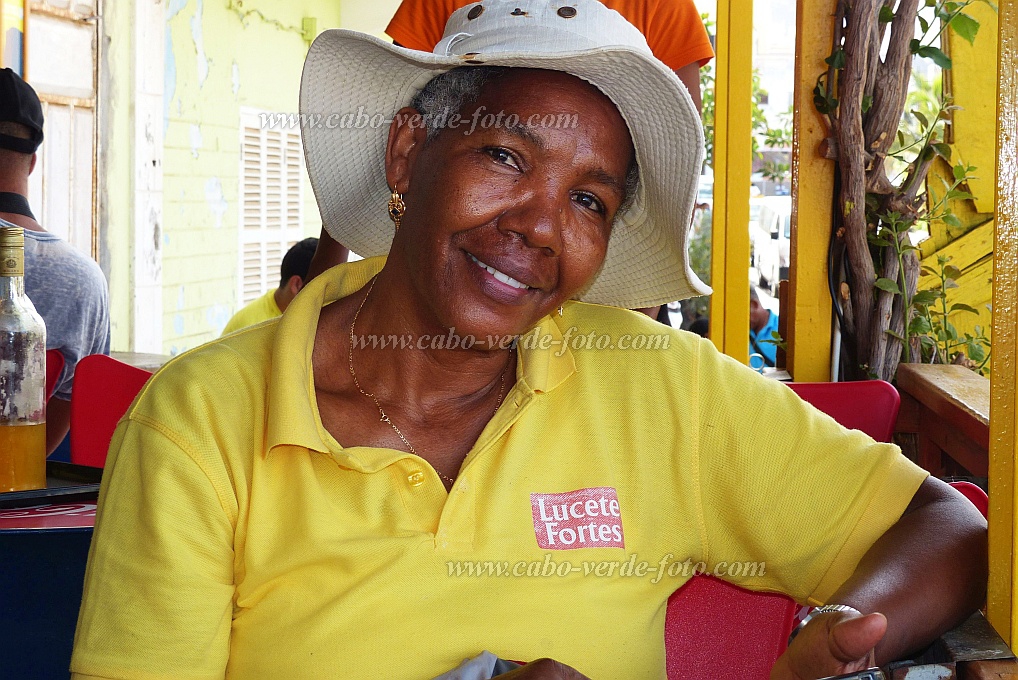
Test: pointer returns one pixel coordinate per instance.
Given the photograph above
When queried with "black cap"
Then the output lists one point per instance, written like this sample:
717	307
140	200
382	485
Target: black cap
19	104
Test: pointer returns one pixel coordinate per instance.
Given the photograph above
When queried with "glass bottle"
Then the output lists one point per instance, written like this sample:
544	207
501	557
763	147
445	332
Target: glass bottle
22	373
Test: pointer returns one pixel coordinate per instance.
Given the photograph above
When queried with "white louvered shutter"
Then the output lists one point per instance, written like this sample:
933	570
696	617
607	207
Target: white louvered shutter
271	205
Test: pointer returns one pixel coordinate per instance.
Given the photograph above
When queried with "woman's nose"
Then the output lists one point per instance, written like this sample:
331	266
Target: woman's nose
539	218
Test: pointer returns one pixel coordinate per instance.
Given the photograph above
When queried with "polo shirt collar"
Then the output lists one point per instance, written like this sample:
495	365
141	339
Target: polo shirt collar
291	380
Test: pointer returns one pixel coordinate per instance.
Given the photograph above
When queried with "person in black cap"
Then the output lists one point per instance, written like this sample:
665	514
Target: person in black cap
67	288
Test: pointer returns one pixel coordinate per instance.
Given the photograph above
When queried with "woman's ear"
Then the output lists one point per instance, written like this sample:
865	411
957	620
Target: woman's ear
407	135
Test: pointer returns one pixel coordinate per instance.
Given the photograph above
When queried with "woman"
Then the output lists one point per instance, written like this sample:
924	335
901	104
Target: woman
442	452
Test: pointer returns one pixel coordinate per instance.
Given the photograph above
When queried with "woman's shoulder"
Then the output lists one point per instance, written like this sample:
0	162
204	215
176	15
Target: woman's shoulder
618	328
221	380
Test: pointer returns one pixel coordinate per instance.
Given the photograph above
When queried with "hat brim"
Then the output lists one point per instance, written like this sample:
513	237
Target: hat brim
353	84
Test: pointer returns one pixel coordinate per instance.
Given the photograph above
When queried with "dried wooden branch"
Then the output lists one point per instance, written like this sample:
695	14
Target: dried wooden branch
889	92
851	141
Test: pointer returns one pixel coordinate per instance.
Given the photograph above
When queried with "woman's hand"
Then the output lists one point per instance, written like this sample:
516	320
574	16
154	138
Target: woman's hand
831	644
544	669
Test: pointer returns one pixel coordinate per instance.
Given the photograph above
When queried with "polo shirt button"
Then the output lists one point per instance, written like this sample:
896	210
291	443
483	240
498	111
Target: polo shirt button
415	478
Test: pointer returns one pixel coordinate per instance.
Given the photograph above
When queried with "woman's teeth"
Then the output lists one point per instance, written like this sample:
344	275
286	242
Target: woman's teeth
499	276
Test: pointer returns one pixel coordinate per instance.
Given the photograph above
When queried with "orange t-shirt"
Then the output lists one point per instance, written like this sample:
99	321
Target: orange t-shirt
673	28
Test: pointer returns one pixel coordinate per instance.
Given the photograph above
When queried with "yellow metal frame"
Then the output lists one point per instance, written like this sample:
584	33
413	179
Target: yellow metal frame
729	314
809	301
1003	415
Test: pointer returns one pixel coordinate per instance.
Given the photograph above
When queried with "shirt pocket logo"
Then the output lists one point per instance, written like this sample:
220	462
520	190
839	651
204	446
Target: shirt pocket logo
585	518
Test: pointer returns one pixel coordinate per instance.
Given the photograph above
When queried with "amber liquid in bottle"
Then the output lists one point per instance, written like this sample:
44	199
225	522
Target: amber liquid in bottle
22	373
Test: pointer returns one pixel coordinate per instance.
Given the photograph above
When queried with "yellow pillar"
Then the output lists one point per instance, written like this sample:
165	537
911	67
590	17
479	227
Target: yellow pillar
1003	415
809	300
732	166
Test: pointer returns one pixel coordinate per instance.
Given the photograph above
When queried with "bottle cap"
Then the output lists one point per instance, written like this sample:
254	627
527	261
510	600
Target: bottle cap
12	251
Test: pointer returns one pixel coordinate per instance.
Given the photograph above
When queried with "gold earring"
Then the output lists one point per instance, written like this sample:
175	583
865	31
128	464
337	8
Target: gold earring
560	310
397	208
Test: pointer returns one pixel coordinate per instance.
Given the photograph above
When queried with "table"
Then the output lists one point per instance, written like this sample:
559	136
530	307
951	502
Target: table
948	408
44	551
49	517
145	361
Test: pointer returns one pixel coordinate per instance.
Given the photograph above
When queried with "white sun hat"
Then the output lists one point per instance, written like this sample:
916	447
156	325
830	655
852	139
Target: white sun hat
353	84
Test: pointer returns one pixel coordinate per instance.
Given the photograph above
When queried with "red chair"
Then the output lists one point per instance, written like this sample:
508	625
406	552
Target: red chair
975	494
718	631
715	630
870	406
54	367
103	391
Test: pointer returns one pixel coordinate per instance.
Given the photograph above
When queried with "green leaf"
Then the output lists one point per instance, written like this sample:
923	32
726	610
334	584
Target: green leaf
921	118
914	46
976	352
882	242
920	325
886	15
867	103
894	335
959	195
923	24
901	138
888	285
959	307
925	297
965	27
951	272
837	59
934	53
951	220
949	283
943	149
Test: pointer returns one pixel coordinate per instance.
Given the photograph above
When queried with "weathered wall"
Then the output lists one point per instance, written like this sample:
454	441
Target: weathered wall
220	56
969	244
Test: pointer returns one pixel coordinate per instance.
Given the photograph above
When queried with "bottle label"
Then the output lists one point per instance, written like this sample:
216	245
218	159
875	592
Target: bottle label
12	261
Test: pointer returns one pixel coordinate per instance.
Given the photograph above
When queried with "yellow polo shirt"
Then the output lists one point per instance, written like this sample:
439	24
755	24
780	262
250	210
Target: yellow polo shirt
236	538
256	311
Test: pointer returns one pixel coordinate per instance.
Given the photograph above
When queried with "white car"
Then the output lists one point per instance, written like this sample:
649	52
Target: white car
771	240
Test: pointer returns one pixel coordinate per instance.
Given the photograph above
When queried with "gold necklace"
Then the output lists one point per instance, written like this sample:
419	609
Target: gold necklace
370	395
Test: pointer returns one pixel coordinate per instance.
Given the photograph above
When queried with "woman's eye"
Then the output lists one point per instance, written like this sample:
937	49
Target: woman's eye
500	155
590	202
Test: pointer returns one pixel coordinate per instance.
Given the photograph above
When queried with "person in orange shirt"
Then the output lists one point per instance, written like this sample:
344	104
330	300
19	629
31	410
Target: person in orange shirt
673	28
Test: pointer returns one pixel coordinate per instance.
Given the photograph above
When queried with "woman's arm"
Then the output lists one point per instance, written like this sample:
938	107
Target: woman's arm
924	576
159	586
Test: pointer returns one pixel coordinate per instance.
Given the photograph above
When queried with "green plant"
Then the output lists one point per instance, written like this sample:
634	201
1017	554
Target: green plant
939	339
884	157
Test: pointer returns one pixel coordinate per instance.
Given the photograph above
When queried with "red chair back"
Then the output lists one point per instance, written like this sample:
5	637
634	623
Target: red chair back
103	391
54	367
715	630
870	406
975	494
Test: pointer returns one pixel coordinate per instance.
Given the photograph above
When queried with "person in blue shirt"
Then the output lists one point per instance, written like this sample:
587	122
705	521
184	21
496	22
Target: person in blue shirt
762	323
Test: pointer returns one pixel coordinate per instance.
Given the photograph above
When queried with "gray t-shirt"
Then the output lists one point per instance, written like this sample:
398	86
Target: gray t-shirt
70	293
